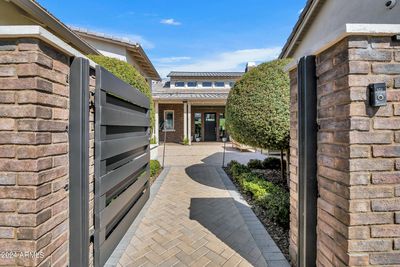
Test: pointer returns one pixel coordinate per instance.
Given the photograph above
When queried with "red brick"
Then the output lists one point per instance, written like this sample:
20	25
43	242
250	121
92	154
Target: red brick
386	151
393	95
386	177
370	137
8	205
33	97
358	259
360	151
371	164
7	71
386	68
387	258
24	84
7	152
32	69
361	124
7	97
365	192
389	124
370	55
359	67
358	178
6	233
369	245
389	231
359	232
6	124
371	218
391	204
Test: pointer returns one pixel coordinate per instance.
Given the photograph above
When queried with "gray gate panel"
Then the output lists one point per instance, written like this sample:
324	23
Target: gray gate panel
119	232
113	178
123	118
121	152
118	146
112	210
117	87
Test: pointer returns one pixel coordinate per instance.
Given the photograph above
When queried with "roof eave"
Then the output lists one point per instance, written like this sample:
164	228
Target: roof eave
306	17
40	14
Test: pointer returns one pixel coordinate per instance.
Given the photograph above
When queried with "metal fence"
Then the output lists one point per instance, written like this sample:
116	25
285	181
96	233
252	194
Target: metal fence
122	155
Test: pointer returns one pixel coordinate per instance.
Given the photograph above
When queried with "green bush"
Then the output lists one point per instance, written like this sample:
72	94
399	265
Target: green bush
128	74
273	163
273	198
255	164
277	205
155	167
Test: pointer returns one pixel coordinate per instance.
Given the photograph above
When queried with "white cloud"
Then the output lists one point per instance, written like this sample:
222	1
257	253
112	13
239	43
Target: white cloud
171	59
225	61
170	22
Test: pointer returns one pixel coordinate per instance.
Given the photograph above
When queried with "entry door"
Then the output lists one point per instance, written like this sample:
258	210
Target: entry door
210	127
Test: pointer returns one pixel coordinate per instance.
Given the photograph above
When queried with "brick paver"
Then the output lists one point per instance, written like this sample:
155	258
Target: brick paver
193	219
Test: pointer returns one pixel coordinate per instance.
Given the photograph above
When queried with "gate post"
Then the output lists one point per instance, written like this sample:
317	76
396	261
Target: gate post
79	163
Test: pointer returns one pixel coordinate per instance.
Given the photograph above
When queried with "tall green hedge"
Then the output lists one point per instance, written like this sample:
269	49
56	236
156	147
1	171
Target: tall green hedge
128	74
257	110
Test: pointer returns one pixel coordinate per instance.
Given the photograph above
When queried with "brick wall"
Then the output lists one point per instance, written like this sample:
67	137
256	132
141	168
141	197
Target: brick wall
33	152
175	136
358	155
374	165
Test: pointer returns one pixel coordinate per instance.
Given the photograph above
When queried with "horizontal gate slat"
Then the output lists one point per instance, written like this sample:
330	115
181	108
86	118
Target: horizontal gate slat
110	243
123	90
115	117
109	213
114	177
115	147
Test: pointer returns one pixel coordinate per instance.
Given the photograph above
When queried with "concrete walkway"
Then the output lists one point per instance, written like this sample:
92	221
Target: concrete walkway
195	217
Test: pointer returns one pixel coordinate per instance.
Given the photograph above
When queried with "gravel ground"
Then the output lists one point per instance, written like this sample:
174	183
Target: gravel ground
278	233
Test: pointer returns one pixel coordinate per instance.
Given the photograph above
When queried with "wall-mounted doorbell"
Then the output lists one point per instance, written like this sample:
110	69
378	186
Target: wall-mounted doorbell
377	95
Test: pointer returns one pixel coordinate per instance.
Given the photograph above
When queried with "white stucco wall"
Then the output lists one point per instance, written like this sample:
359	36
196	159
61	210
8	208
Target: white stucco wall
331	21
11	15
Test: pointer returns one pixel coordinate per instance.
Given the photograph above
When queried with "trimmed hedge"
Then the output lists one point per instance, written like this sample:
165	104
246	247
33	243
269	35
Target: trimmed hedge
257	110
255	164
273	198
155	167
128	74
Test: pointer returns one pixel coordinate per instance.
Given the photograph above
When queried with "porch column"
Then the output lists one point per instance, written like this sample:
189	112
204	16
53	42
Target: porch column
156	131
185	120
189	116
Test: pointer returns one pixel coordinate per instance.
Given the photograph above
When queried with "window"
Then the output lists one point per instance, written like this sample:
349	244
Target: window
219	84
197	125
222	128
169	120
207	84
179	84
192	84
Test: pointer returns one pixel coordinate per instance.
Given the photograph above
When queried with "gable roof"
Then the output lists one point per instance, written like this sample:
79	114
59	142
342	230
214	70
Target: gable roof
205	74
135	48
50	22
305	20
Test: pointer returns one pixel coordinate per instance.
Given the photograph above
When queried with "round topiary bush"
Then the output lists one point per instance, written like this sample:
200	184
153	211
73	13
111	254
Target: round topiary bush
257	110
128	74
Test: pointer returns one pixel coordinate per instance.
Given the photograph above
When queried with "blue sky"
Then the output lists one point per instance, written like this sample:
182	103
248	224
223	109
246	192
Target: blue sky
206	35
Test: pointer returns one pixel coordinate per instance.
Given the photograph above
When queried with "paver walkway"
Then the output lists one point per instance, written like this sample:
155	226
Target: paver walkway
197	219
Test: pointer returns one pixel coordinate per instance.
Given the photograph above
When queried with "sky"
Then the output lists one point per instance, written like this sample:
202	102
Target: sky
178	35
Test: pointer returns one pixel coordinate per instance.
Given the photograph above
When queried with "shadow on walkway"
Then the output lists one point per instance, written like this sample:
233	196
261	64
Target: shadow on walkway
221	217
200	173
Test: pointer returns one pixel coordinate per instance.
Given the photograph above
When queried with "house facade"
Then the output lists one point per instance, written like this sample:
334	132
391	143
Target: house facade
191	106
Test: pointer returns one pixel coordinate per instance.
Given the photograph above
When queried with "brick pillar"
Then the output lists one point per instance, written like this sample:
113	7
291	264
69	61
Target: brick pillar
33	153
358	155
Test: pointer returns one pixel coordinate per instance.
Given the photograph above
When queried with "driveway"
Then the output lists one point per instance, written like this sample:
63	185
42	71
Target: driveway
195	217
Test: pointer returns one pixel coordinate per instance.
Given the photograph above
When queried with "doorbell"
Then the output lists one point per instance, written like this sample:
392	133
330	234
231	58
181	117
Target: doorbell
377	95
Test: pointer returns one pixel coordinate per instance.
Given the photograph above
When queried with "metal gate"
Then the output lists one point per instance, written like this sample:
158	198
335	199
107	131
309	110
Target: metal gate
122	134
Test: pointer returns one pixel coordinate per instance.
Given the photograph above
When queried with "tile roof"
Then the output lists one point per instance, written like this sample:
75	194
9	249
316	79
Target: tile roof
204	74
192	96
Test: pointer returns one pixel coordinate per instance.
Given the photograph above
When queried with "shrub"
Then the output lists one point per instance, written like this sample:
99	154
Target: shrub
257	110
185	141
277	205
235	168
153	140
255	164
272	163
155	167
128	74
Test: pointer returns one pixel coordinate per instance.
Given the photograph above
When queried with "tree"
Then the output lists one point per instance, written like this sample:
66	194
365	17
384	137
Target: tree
257	110
128	74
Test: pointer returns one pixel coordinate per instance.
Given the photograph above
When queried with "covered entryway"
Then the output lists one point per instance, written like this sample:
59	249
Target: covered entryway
210	127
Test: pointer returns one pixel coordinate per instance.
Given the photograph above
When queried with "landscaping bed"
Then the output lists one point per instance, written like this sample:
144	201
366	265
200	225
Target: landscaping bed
155	170
267	193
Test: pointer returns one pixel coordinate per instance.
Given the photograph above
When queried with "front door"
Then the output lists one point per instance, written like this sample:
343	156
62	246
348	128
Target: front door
210	127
